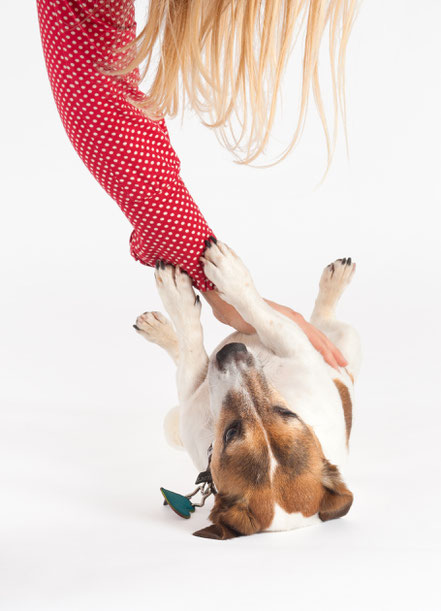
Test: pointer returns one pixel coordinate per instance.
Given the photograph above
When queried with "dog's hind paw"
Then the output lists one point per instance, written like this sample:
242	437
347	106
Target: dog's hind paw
337	275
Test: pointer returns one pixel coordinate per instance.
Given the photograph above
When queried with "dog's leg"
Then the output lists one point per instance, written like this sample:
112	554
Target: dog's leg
334	280
235	285
184	309
156	328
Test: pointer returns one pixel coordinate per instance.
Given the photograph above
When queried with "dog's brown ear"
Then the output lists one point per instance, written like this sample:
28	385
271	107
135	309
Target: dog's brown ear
337	499
231	517
217	531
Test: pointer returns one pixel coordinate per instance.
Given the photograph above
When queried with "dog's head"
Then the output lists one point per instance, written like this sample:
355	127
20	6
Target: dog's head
263	453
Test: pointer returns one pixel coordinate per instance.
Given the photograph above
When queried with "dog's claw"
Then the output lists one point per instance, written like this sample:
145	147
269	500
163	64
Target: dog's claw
337	275
162	264
213	239
135	327
207	243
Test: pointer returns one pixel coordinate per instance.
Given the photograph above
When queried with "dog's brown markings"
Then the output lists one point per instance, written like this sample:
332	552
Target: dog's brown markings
303	481
337	499
287	442
250	460
247	514
217	531
350	375
296	481
242	468
300	494
345	397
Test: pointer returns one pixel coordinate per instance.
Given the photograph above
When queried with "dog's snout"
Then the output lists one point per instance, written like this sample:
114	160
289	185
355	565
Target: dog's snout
231	352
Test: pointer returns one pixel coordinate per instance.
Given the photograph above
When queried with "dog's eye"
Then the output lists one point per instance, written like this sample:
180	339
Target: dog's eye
283	411
231	432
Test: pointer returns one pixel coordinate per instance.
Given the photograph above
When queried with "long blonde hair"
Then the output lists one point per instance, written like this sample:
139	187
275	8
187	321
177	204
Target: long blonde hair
227	54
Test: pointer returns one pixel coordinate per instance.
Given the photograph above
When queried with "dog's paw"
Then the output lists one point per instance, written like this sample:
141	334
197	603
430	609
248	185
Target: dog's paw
156	328
337	275
226	270
177	294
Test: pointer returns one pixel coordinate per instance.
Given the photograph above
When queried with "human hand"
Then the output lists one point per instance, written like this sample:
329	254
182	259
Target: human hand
227	314
318	339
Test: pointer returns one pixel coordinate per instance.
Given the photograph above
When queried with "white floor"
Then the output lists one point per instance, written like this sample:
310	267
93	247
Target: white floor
83	526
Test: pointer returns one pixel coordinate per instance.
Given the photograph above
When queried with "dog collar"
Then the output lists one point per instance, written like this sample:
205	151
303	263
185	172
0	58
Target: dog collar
181	503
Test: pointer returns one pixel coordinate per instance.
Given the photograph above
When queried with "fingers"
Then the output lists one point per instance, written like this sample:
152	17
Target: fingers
337	356
331	360
332	355
340	358
320	341
326	353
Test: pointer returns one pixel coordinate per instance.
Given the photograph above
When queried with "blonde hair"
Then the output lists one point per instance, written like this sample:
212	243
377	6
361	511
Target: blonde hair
231	53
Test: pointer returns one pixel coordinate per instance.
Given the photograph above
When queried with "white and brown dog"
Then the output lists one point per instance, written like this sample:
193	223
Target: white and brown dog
277	416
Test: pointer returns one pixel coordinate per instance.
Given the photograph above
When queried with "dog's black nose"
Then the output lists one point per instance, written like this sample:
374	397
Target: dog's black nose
234	351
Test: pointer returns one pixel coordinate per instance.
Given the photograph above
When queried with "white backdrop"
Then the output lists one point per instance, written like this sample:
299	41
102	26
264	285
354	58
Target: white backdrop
83	397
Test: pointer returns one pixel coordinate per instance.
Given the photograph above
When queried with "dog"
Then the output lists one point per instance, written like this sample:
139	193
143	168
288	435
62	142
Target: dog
275	417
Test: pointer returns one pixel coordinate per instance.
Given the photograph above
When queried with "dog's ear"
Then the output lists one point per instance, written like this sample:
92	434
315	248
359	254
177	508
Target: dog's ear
217	531
231	517
337	499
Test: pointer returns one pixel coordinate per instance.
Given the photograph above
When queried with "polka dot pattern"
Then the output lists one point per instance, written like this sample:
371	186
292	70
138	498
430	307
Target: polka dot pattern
129	154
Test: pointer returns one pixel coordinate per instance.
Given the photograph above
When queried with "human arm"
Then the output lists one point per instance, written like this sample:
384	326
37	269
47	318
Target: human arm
129	154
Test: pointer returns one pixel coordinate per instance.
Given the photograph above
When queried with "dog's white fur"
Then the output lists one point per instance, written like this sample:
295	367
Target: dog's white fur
289	361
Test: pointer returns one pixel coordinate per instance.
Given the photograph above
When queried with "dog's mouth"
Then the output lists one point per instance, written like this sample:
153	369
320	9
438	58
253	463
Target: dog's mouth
233	356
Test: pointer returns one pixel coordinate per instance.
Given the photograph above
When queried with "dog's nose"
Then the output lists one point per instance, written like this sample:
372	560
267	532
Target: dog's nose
231	352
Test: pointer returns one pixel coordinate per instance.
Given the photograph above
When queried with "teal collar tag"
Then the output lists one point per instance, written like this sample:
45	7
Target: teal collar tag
182	505
179	503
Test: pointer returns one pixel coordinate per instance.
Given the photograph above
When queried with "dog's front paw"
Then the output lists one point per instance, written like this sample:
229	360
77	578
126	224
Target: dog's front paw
227	271
177	294
156	328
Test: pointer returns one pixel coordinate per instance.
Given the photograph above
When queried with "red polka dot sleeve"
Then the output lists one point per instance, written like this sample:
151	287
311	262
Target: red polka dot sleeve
129	154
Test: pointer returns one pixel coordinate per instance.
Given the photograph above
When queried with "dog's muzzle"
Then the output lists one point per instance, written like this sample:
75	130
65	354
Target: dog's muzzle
232	353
